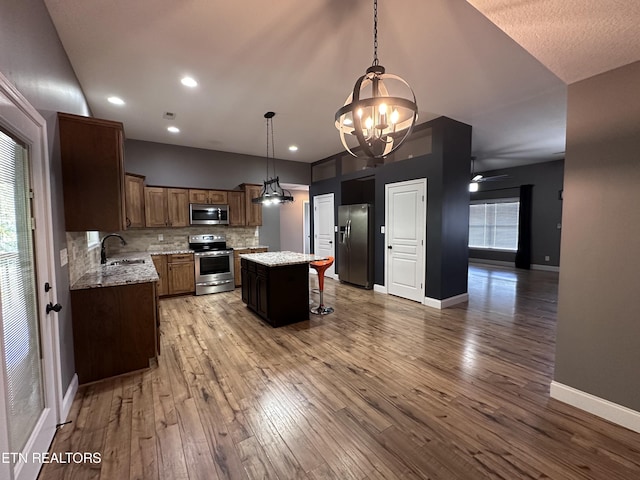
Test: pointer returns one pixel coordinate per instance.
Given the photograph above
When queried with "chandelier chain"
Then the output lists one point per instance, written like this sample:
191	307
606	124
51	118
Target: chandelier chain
267	147
375	32
270	141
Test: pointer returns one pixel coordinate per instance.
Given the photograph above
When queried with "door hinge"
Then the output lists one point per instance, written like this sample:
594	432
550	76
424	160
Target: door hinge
33	223
422	242
423	198
421	286
30	193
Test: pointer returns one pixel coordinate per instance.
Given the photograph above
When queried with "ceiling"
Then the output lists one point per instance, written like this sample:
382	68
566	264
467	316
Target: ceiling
301	59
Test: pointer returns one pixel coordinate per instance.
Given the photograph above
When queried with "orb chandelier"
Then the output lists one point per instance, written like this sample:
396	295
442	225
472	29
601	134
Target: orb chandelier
272	192
380	112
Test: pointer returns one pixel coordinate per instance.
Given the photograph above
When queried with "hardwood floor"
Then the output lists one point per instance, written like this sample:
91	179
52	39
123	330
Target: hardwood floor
382	388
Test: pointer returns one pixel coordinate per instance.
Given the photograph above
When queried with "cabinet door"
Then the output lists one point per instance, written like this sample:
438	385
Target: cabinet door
198	196
218	197
237	266
181	278
114	330
245	283
178	207
91	153
253	210
237	214
155	211
262	294
160	262
134	200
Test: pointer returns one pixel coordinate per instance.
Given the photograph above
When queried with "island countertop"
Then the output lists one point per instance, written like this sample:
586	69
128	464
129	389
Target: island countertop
277	259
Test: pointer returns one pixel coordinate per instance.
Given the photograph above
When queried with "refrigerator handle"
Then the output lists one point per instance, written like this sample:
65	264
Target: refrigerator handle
349	231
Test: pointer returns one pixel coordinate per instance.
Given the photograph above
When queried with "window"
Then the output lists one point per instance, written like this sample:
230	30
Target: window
93	239
493	224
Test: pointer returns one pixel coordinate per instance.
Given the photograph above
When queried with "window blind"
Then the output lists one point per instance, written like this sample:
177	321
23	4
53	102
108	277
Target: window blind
493	224
18	299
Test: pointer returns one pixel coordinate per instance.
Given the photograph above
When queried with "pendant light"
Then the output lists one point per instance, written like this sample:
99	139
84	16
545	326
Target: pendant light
379	120
272	192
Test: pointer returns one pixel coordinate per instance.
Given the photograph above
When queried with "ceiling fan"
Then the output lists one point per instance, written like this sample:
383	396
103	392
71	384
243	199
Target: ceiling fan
479	178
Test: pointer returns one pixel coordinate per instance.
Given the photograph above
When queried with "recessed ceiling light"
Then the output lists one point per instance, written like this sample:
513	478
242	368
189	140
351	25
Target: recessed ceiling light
189	82
293	148
173	129
116	100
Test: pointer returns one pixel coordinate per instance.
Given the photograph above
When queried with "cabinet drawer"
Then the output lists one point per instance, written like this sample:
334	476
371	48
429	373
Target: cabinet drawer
180	257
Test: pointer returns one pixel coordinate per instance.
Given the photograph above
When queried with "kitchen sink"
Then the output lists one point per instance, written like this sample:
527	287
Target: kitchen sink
125	261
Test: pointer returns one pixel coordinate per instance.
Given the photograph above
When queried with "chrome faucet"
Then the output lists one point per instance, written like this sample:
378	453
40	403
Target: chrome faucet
103	253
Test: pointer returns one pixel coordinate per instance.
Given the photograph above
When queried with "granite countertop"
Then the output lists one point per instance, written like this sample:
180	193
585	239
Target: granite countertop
169	252
113	275
277	259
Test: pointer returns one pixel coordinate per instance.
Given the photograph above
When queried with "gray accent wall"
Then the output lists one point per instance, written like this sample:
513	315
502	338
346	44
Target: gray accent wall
598	332
179	166
446	169
546	214
188	167
32	58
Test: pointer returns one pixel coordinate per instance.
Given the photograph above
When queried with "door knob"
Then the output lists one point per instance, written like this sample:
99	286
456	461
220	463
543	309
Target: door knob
390	247
56	308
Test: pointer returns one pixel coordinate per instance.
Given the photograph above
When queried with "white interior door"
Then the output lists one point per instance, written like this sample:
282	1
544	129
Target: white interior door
28	383
324	228
405	219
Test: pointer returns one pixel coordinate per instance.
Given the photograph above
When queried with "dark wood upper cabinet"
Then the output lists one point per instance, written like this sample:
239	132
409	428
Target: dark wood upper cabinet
253	211
92	160
134	200
237	214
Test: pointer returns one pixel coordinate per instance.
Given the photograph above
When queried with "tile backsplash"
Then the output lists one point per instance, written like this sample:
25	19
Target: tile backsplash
147	239
82	258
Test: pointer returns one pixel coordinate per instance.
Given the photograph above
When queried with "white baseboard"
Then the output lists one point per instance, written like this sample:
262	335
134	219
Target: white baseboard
67	401
492	262
600	407
379	288
447	302
546	268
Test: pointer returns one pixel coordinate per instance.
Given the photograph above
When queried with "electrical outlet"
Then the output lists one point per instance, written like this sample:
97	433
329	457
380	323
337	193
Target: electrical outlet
546	258
160	237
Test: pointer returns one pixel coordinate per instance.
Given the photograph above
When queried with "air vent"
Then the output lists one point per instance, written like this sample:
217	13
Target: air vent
169	115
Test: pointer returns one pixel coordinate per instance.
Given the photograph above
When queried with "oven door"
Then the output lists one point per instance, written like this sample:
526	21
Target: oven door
214	272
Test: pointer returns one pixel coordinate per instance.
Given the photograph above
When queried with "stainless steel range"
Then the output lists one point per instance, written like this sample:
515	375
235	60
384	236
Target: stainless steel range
213	263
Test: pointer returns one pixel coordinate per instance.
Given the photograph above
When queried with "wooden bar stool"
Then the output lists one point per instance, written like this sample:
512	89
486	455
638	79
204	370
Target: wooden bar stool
320	266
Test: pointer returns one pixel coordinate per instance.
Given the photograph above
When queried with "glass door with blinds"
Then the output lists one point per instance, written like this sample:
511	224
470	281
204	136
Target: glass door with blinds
27	391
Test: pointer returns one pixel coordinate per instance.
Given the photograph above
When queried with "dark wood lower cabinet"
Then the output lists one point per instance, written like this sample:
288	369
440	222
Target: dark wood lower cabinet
114	329
280	294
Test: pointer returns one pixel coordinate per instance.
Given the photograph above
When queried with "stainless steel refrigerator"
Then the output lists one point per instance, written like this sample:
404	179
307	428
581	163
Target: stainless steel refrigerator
355	244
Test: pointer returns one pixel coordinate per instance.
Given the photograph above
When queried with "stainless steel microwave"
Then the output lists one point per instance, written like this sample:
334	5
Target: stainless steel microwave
202	214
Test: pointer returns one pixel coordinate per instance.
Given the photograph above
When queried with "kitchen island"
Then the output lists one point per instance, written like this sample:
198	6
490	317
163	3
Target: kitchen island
275	285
